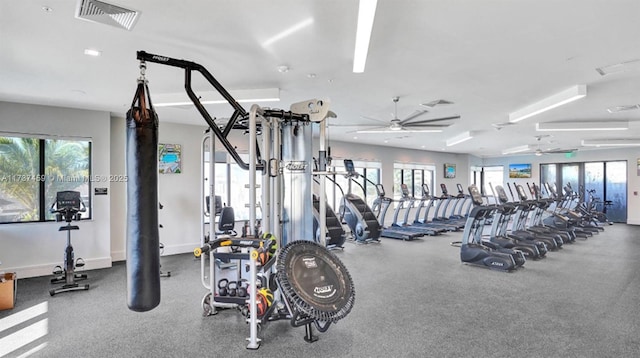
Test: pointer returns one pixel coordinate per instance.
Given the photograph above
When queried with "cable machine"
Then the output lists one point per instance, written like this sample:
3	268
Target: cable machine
289	276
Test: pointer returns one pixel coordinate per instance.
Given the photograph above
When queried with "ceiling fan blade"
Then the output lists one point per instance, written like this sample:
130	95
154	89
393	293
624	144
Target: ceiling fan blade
434	120
501	125
421	129
398	131
435	103
374	119
559	151
413	115
351	125
375	130
427	125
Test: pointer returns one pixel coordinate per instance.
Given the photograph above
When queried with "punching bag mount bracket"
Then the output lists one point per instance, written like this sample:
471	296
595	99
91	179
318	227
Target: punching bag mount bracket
143	69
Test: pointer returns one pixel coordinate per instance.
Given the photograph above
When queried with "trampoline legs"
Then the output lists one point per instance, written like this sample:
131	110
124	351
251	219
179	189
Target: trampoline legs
308	333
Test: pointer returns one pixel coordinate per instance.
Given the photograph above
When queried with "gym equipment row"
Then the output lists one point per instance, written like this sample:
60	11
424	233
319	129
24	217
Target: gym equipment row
531	234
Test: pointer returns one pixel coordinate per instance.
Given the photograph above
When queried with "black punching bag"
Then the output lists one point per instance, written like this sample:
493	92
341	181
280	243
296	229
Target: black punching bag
143	242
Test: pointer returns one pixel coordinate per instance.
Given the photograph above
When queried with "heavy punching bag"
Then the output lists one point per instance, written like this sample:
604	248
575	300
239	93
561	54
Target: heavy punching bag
143	242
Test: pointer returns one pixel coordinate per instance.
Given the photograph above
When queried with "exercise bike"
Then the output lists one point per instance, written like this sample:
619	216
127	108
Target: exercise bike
68	207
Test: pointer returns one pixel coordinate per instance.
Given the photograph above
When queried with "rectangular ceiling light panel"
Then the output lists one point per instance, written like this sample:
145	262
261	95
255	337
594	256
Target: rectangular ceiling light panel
611	142
366	15
518	149
213	97
582	126
556	100
462	137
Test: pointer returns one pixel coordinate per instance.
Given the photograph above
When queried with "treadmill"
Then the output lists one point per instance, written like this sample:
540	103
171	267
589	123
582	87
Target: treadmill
393	232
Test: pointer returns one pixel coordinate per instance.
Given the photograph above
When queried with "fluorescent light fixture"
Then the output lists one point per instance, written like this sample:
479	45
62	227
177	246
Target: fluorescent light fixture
582	126
213	97
92	52
611	142
366	14
518	149
556	100
462	137
389	130
288	32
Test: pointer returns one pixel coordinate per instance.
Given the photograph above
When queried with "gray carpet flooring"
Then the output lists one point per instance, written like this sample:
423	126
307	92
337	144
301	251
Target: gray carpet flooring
414	299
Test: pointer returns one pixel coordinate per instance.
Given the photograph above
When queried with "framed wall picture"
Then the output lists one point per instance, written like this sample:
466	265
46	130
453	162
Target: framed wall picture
169	158
517	171
449	171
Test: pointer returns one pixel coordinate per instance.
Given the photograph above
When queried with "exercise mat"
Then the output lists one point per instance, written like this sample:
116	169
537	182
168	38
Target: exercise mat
143	242
315	281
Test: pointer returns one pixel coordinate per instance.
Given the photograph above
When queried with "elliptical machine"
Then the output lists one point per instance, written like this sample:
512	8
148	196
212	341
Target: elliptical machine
68	207
474	250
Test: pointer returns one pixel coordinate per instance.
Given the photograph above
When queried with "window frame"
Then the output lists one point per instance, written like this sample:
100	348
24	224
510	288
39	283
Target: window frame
426	171
43	178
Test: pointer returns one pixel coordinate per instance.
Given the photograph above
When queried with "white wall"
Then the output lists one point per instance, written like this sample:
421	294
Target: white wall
33	249
178	193
631	155
118	190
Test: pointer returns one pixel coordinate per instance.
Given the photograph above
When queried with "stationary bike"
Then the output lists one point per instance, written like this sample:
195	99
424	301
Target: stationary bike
68	207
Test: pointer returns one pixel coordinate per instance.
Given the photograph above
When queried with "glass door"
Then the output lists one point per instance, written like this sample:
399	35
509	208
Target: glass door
570	175
616	190
608	180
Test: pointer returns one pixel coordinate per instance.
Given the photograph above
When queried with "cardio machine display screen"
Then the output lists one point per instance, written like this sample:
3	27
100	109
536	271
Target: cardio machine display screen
348	166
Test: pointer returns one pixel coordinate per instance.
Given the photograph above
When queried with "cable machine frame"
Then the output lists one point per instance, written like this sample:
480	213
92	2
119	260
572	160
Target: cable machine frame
271	123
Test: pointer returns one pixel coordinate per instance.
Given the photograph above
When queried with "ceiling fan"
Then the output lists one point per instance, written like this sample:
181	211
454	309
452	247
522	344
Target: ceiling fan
407	124
538	152
499	126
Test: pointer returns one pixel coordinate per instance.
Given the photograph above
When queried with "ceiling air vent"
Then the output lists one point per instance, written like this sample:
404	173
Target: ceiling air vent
632	65
108	14
629	107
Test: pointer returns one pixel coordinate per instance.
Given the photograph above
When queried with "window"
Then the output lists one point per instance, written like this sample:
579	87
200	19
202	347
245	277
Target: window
368	170
33	170
232	185
413	175
493	176
605	182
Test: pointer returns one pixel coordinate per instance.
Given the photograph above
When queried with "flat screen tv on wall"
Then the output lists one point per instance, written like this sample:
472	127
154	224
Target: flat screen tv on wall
519	170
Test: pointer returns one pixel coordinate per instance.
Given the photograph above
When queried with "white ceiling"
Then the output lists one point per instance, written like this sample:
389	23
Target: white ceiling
490	57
